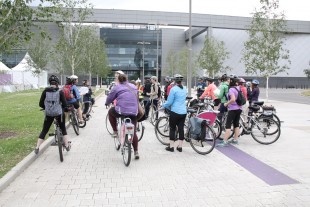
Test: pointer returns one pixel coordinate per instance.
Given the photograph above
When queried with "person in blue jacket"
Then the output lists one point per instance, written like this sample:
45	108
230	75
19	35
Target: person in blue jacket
75	101
176	103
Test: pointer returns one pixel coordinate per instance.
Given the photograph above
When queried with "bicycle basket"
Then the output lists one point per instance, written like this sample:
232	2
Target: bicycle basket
268	110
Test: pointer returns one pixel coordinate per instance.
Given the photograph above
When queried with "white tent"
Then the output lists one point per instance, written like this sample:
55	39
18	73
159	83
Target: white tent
4	67
23	74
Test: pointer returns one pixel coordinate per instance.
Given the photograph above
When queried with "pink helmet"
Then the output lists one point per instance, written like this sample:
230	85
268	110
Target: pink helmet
241	80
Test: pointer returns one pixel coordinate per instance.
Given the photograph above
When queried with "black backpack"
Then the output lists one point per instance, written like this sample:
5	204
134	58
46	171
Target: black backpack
240	100
158	92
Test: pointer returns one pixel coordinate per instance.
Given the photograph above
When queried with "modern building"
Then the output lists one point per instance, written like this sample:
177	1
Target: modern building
140	41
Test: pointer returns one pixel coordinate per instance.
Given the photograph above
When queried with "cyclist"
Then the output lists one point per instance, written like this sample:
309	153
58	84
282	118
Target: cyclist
140	89
75	101
234	112
48	120
146	95
117	73
209	91
177	104
170	86
245	94
167	83
153	96
127	105
86	98
255	90
223	95
201	85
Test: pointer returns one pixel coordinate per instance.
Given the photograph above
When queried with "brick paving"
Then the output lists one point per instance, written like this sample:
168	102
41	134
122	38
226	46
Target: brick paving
93	173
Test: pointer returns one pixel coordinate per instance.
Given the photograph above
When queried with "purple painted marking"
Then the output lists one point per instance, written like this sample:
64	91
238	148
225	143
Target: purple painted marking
261	170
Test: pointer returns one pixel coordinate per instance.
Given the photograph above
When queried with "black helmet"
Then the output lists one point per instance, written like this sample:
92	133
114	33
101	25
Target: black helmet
68	80
53	79
234	78
224	77
178	77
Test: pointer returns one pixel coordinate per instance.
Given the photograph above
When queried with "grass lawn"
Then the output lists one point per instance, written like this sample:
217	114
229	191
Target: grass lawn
20	124
306	93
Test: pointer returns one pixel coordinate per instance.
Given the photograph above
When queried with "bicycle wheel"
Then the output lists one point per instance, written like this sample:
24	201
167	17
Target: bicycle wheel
265	130
140	130
217	127
117	143
108	125
153	113
275	118
75	123
59	139
206	145
162	130
126	151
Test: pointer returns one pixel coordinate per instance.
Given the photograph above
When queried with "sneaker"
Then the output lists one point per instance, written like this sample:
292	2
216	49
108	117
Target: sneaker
137	155
114	135
69	147
232	141
36	151
171	149
222	144
179	149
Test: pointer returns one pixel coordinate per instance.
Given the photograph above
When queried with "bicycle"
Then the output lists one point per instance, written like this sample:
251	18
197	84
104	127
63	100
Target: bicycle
59	139
124	138
73	119
263	129
202	145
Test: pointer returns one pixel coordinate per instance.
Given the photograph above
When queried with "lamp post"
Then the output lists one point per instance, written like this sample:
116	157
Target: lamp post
157	37
189	68
143	43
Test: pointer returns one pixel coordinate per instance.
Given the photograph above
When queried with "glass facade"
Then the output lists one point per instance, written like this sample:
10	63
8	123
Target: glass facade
126	47
12	59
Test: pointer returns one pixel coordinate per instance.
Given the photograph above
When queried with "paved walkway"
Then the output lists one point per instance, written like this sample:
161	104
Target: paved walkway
93	173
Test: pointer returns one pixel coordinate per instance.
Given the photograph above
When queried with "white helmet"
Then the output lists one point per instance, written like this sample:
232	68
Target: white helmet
73	77
138	81
120	72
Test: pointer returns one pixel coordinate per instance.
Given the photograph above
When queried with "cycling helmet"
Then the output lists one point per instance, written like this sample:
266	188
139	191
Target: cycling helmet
120	72
68	80
241	80
154	78
138	81
53	79
178	77
254	81
224	77
73	77
233	77
248	84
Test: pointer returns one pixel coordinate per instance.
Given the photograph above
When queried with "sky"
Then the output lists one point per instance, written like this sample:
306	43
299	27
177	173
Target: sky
293	9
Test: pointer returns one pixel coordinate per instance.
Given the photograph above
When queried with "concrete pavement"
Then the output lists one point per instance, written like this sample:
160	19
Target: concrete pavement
93	173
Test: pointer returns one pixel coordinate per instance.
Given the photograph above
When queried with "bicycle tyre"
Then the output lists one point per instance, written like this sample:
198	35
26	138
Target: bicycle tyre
140	128
259	130
127	151
117	143
153	112
75	125
217	127
275	118
162	138
60	144
209	140
108	125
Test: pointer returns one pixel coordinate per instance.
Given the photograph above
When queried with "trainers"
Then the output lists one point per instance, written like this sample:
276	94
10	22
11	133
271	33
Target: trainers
114	135
179	149
171	149
69	147
222	144
137	155
36	151
232	141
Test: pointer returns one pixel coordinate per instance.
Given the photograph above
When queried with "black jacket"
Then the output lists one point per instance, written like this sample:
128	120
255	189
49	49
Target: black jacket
52	89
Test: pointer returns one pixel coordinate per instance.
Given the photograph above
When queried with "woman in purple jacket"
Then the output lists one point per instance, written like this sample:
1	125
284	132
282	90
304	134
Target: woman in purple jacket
125	95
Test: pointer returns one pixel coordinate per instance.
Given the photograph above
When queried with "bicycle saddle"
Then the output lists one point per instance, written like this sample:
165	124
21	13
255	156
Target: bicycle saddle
191	110
260	103
255	108
188	98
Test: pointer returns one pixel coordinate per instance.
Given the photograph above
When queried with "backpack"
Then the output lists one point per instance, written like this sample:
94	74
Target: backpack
240	98
67	89
158	92
52	103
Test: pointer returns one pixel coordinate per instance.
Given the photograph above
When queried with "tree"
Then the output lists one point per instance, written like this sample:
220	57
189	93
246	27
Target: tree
178	62
307	73
39	50
212	56
172	62
17	20
73	13
95	58
263	52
